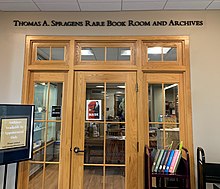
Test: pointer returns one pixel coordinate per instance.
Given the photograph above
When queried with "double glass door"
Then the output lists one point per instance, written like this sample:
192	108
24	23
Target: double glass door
104	154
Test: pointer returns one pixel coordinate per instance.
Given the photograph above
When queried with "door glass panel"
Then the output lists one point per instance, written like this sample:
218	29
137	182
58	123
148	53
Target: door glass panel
153	138
163	107
36	176
118	53
172	134
171	103
115	177
57	53
94	101
115	102
51	176
47	133
55	102
53	141
93	53
115	144
40	100
93	177
94	143
155	102
43	53
39	141
105	134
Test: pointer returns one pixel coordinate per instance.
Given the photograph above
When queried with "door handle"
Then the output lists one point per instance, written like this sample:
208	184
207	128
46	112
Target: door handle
77	150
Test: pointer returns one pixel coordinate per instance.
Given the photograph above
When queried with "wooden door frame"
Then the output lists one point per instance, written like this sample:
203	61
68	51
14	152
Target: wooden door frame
70	67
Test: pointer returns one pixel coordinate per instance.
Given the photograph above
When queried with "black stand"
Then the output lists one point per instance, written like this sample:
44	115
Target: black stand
5	176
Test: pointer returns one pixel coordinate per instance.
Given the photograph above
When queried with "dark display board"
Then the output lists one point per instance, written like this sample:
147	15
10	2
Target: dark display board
16	133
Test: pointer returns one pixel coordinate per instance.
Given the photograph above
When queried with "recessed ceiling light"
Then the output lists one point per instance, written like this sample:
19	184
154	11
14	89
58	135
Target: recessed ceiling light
125	52
158	50
87	53
121	87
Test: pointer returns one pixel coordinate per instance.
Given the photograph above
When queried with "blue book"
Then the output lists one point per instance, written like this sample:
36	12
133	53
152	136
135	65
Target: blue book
162	161
169	161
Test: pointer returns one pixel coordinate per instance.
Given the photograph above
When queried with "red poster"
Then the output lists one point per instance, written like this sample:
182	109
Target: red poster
93	109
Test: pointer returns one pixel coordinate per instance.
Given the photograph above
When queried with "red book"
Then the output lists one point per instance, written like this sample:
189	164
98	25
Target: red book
175	156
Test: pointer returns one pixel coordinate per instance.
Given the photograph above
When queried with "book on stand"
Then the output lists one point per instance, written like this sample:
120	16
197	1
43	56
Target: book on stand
169	161
158	160
155	160
162	161
174	159
166	160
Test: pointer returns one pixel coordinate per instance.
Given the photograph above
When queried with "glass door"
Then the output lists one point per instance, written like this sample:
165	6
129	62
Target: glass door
105	131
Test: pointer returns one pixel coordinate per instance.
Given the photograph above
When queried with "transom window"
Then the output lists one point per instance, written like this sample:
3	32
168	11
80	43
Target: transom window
163	53
105	53
49	52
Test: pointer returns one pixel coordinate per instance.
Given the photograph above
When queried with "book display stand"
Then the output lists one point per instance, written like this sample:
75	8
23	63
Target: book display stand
179	179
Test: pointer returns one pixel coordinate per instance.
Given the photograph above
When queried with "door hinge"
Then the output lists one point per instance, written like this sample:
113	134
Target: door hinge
137	146
136	87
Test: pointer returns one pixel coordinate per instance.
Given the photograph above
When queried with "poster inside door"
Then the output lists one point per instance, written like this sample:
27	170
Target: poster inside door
93	109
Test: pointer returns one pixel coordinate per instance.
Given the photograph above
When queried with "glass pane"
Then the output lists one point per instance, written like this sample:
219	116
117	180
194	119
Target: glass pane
43	53
40	100
153	138
93	177
171	103
38	141
94	143
154	54
53	141
55	101
115	102
172	134
51	176
93	53
38	154
94	101
57	53
118	54
115	178
160	138
115	144
155	103
169	53
35	176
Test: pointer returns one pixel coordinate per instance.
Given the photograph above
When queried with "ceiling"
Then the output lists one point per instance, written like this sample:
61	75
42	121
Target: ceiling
106	5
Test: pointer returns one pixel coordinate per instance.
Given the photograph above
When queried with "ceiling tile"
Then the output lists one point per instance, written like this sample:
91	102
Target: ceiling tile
16	1
186	5
54	1
115	6
143	1
18	7
58	6
214	5
99	1
136	5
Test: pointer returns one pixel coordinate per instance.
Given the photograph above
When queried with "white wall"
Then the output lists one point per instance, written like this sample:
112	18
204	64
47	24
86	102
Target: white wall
204	58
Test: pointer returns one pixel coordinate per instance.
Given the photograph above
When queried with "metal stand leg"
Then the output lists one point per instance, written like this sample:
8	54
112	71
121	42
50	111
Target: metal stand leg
5	176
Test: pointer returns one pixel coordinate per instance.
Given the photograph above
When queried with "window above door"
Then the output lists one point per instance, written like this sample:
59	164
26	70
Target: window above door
105	53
